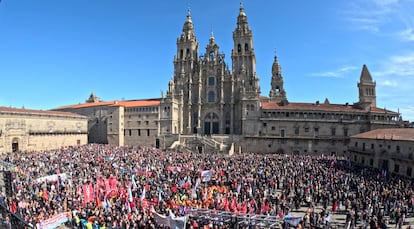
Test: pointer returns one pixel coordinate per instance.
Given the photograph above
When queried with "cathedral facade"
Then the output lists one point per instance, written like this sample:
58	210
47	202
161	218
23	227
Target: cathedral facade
210	107
207	98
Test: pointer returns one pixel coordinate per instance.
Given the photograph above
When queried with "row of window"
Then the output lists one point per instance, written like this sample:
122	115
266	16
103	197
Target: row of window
313	115
137	132
142	122
408	171
306	129
301	115
372	146
142	109
283	141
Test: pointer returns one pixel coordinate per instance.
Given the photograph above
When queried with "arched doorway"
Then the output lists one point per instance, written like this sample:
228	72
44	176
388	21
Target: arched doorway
211	123
15	145
280	151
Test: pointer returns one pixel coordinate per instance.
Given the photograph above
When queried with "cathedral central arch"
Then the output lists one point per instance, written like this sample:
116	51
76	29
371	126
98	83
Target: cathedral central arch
211	123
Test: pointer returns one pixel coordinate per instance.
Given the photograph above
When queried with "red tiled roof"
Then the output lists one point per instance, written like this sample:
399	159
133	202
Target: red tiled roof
83	105
115	103
138	103
319	107
398	134
40	112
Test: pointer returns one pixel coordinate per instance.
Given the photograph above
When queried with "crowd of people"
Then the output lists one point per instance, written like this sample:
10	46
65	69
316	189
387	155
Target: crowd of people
103	186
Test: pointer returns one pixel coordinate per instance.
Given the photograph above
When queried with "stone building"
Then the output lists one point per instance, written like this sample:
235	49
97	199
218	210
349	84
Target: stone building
387	149
124	122
24	129
206	97
209	106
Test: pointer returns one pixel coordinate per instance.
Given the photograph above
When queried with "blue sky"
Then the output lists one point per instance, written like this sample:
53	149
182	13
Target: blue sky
54	53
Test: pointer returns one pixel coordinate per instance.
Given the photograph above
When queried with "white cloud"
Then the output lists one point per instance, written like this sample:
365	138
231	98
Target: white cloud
339	73
370	15
407	34
395	83
397	66
389	83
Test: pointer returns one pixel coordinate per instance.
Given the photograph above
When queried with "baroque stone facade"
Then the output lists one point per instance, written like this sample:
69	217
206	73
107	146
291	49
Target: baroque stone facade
210	107
23	129
390	150
207	98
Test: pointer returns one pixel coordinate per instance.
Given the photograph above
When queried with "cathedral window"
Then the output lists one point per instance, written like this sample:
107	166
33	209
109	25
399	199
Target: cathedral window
227	98
246	47
211	97
238	48
211	56
188	53
181	54
195	118
211	81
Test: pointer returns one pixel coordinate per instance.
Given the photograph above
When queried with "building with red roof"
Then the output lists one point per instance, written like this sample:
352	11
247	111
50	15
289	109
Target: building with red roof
210	107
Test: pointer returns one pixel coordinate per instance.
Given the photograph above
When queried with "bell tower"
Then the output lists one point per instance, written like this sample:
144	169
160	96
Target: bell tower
247	88
176	106
277	92
243	56
366	87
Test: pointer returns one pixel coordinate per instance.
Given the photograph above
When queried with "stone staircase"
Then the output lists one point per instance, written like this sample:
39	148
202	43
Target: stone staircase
193	142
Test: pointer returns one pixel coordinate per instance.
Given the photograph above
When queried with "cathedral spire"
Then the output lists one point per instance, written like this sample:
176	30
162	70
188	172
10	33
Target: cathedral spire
366	87
365	75
212	39
277	93
243	50
242	19
276	69
188	28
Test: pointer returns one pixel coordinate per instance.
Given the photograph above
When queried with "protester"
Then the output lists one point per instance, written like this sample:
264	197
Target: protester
103	186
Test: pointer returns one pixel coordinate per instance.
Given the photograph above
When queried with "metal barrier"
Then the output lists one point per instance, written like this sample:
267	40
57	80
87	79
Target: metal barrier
6	183
260	221
15	220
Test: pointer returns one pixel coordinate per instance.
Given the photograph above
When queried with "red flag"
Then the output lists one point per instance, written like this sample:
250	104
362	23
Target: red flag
97	201
233	205
244	208
107	187
13	207
45	194
186	185
174	188
226	204
87	193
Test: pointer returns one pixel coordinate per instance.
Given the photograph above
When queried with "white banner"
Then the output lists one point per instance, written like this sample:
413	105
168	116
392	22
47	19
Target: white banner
52	178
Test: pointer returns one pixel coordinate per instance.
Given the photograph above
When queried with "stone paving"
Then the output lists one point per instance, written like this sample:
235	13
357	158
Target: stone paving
338	219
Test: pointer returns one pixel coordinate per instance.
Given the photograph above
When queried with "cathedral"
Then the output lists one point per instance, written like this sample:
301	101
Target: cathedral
207	98
210	107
